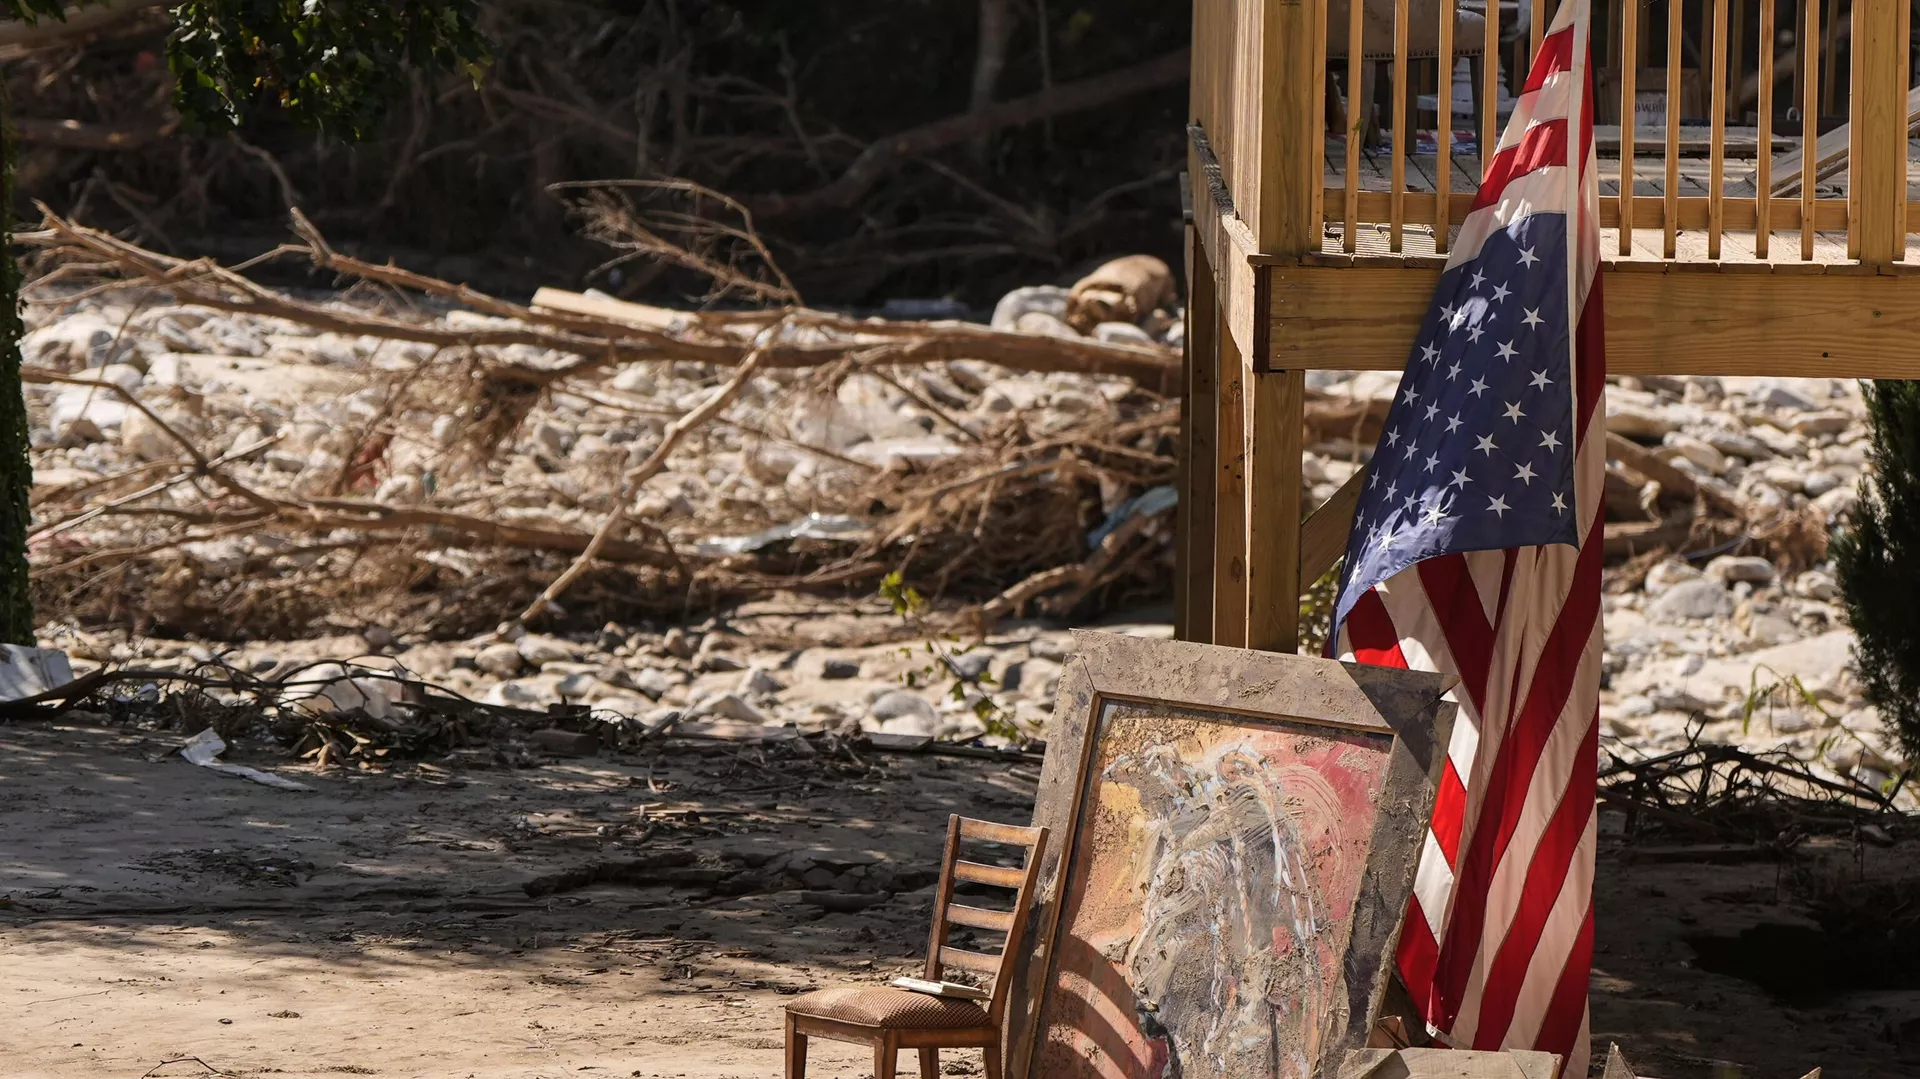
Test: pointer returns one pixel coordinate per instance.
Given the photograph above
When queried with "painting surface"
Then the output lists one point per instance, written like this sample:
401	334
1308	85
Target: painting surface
1209	895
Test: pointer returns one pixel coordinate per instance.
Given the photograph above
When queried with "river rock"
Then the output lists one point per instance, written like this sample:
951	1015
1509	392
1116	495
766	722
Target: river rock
731	706
1041	324
1123	333
1826	421
758	680
1693	600
1698	451
1665	575
502	660
539	650
1043	299
1730	568
899	711
833	669
651	681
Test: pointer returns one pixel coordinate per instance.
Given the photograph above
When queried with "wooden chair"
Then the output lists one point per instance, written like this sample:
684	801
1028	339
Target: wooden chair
892	1019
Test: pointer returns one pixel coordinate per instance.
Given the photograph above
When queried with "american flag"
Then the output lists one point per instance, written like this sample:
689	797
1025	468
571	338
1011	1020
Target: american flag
1476	552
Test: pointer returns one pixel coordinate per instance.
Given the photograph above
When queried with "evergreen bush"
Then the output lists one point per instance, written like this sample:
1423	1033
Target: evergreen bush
1877	560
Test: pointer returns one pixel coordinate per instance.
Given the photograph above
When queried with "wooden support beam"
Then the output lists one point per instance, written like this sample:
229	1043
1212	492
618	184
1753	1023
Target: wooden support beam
1230	497
1323	537
1286	224
1230	249
1201	421
1791	320
1878	144
1277	424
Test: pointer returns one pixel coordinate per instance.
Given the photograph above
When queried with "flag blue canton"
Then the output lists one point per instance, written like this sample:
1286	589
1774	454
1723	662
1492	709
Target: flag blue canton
1477	452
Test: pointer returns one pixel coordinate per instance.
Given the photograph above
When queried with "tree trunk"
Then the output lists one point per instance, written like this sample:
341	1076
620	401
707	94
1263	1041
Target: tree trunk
16	472
996	27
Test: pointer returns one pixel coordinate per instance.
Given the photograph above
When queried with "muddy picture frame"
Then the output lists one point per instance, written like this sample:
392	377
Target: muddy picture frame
1403	711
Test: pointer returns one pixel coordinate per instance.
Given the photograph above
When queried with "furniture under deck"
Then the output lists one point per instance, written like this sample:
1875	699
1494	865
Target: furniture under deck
1311	250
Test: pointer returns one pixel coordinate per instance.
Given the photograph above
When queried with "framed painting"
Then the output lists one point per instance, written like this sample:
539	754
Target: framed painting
1238	836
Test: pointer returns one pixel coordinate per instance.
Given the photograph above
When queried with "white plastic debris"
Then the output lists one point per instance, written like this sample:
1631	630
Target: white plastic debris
204	749
29	672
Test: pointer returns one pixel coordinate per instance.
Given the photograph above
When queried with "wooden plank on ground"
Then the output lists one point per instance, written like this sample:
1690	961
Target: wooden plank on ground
664	319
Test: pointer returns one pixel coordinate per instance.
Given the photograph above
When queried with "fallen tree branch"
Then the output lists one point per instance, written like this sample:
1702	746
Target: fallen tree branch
595	342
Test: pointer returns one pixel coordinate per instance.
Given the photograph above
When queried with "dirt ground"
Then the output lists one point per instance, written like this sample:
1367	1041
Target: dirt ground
151	911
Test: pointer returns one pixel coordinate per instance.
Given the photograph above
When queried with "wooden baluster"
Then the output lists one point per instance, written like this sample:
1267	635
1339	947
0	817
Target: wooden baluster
1397	199
1716	168
1763	163
1490	90
1809	119
1356	124
1738	56
1443	134
1629	67
1831	17
1539	26
1670	212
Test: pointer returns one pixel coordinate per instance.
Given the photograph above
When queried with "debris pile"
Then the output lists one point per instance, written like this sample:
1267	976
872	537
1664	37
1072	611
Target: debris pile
225	460
517	501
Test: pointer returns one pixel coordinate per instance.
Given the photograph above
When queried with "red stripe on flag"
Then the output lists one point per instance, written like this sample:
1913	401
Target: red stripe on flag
1542	146
1513	768
1449	811
1370	631
1546	877
1555	56
1456	603
1567	1012
1416	956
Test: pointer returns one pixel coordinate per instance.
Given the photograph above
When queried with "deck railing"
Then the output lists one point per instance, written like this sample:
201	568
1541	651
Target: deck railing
1752	117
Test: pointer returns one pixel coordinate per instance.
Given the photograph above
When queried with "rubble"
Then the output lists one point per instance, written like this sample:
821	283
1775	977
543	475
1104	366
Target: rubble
465	487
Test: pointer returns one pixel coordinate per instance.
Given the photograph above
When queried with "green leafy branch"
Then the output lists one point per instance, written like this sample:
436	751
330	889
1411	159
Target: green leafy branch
943	650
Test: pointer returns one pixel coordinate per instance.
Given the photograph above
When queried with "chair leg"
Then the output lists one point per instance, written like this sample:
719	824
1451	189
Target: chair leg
886	1055
929	1063
796	1051
991	1054
1474	72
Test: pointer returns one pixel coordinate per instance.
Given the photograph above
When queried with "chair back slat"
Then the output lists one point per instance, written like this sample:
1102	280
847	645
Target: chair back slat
1012	923
997	875
979	917
978	962
1011	834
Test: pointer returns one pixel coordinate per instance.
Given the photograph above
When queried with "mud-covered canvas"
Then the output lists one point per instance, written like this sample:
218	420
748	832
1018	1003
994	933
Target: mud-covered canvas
1239	831
1209	896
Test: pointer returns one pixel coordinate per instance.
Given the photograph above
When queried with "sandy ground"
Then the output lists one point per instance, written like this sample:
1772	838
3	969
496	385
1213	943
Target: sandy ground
378	925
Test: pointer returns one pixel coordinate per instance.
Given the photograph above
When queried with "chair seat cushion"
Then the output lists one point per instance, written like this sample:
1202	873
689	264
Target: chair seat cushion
889	1008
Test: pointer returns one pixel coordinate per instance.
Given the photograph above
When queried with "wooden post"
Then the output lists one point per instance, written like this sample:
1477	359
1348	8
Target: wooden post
1877	153
1201	423
1285	224
1273	526
1230	498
